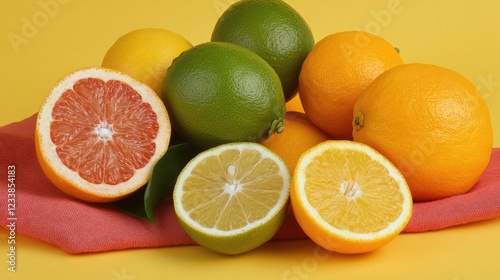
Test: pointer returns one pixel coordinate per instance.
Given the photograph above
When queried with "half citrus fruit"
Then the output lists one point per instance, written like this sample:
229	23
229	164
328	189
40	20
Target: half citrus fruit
348	198
99	134
232	198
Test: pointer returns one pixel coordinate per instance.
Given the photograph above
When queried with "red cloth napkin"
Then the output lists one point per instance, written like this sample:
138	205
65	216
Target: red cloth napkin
45	213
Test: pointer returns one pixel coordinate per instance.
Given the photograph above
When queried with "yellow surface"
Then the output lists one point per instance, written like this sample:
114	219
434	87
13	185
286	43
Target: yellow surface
42	40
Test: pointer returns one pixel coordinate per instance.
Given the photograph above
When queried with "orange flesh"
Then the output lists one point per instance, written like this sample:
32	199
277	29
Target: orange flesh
103	130
352	192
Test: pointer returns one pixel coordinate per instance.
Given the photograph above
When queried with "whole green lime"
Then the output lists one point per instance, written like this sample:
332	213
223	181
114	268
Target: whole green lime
273	30
220	92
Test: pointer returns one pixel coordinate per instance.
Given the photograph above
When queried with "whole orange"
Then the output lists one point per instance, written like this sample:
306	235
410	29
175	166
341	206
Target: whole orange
299	134
432	123
334	74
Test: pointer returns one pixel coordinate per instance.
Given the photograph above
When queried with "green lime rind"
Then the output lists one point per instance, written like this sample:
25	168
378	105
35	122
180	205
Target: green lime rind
219	92
244	241
142	203
272	29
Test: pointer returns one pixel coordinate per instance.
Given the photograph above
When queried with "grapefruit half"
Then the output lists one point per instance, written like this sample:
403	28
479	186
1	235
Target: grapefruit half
99	134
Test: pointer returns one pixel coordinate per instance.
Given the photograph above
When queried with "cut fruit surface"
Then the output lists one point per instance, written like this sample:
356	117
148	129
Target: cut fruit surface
99	134
348	198
232	198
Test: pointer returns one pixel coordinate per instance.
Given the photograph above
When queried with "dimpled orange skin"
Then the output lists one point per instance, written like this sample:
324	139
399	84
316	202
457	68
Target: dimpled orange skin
336	71
432	123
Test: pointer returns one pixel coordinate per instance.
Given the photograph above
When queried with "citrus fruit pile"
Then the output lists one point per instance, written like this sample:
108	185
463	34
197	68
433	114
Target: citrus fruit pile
341	128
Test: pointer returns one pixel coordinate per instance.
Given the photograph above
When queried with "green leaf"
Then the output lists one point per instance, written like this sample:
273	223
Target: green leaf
133	204
142	202
165	175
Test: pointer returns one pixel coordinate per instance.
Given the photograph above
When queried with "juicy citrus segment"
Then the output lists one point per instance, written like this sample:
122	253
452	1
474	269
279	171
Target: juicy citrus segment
349	198
241	200
232	198
99	134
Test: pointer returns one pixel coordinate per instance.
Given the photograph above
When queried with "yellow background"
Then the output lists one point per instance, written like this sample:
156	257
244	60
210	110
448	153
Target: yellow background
42	40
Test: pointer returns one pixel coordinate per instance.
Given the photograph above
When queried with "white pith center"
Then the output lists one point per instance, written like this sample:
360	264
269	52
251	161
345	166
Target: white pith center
350	190
231	185
104	131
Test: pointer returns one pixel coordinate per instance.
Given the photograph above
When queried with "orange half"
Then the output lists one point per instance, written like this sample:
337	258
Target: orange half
348	198
99	134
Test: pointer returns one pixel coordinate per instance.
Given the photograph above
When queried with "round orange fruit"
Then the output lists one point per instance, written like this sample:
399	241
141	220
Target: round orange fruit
99	134
299	134
432	123
336	71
